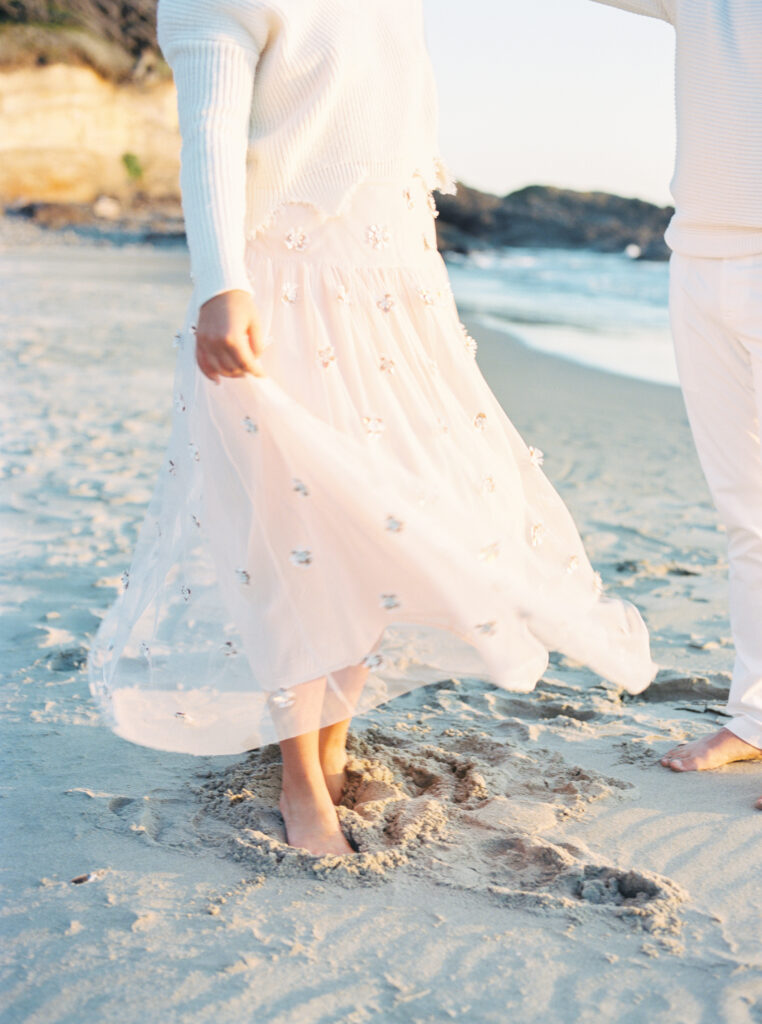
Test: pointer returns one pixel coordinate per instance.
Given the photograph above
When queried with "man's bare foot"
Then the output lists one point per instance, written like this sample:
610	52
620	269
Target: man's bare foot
334	773
713	751
312	823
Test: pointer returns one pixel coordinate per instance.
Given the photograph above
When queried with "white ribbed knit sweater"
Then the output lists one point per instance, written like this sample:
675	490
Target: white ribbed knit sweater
292	100
717	184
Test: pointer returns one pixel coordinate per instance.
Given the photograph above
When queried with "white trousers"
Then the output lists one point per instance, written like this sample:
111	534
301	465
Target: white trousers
716	314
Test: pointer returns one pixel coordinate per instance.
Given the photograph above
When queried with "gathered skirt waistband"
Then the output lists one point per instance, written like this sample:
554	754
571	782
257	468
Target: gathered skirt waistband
383	224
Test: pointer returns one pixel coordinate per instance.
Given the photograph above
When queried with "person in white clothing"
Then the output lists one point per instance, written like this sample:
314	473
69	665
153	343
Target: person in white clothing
716	314
344	512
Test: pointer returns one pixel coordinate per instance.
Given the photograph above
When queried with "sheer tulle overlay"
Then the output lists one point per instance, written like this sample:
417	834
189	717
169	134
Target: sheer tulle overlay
362	521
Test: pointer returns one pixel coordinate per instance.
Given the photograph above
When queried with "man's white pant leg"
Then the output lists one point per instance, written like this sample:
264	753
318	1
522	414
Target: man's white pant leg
716	313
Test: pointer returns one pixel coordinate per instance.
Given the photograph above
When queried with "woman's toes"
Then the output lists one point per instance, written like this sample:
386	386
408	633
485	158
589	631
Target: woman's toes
758	804
672	755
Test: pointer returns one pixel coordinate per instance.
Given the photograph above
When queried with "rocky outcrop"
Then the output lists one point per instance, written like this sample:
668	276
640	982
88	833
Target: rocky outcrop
552	217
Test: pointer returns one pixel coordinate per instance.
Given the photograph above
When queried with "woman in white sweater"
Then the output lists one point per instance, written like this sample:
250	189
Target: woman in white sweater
716	312
345	512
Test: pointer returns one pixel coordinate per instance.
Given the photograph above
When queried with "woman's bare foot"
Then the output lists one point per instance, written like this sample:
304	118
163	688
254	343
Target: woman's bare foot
713	751
758	804
312	823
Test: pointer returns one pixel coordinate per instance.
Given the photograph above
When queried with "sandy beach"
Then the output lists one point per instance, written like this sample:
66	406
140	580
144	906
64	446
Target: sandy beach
523	857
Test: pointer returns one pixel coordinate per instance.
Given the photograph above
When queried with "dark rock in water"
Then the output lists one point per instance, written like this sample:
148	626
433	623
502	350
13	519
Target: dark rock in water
540	216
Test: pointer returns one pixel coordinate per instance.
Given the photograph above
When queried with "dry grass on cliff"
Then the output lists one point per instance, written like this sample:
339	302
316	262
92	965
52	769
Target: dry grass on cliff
27	46
116	39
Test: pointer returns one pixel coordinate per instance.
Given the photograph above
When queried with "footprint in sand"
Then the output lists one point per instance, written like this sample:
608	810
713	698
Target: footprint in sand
541	875
67	659
668	687
405	802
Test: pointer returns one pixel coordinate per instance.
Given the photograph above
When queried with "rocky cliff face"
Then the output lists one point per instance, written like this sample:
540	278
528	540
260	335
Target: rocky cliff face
87	108
128	29
67	134
87	105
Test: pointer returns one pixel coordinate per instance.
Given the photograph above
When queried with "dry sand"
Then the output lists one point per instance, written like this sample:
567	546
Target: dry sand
523	857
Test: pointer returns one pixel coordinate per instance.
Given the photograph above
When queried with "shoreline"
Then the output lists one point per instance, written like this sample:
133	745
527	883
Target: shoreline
16	231
534	331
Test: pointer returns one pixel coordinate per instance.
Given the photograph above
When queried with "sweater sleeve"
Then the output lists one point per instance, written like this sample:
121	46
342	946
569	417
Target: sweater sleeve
213	57
664	9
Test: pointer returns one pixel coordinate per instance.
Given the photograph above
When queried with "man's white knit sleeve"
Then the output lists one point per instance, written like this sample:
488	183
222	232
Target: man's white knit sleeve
214	71
664	9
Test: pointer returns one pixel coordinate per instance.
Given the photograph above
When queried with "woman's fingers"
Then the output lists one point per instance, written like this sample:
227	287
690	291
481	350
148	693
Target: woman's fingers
254	338
227	359
206	366
254	334
238	360
251	363
212	360
228	336
229	362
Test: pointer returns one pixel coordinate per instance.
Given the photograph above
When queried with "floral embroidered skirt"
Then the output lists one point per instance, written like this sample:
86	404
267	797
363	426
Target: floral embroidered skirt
362	521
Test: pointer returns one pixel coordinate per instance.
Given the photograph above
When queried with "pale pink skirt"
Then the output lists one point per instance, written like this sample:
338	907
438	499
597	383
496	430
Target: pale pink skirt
367	504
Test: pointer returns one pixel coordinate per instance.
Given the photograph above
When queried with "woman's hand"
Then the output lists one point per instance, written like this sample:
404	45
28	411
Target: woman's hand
228	337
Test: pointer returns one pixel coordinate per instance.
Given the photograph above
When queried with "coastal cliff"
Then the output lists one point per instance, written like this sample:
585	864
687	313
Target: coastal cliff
89	137
69	135
87	105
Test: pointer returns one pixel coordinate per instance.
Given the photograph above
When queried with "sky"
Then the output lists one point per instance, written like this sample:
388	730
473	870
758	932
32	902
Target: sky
553	92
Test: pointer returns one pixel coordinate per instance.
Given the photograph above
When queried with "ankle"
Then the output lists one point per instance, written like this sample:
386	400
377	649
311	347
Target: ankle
333	756
304	797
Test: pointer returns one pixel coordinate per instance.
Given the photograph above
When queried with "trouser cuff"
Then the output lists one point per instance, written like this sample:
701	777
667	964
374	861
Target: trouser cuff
747	729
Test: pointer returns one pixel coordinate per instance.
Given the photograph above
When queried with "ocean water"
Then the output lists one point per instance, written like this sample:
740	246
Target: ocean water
601	309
